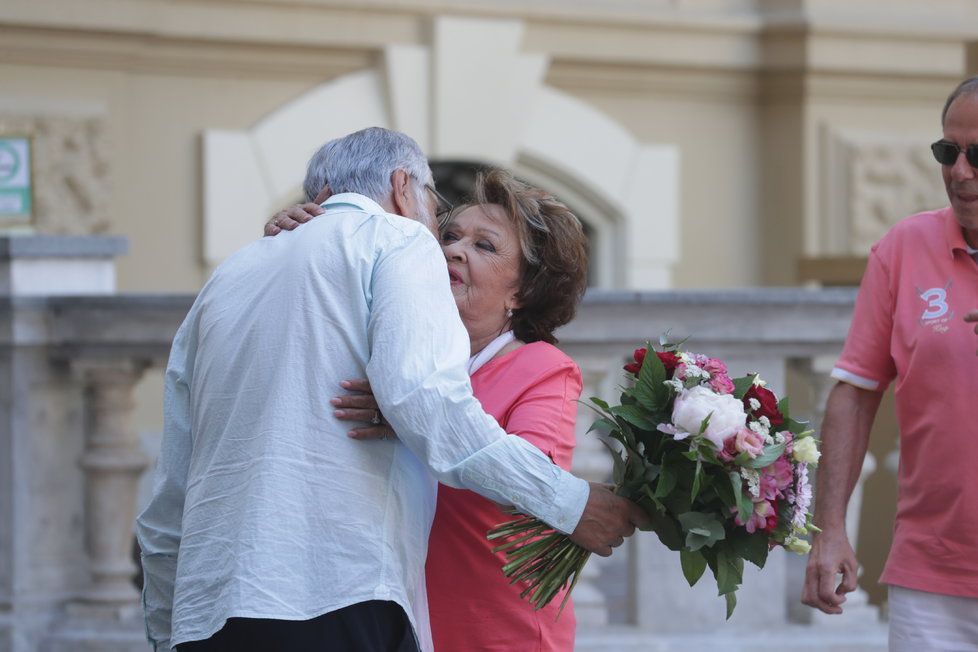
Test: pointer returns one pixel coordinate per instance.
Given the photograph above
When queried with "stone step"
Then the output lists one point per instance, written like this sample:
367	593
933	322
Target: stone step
797	638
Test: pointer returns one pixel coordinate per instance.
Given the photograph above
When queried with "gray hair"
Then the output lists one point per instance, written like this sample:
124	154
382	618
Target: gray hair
364	161
967	87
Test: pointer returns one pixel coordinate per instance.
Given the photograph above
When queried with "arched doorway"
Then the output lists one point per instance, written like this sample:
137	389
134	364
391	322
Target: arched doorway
471	95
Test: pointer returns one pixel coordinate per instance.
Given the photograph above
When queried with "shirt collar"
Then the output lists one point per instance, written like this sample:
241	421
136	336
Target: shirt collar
954	234
362	202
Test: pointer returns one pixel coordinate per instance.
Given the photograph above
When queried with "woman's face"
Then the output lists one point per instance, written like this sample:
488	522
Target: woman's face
484	257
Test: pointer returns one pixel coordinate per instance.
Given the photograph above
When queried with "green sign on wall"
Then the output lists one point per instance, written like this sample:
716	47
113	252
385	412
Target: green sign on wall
15	177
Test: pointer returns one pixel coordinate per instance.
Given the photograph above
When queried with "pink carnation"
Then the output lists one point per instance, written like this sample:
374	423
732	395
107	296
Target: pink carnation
715	367
764	517
721	384
749	442
775	478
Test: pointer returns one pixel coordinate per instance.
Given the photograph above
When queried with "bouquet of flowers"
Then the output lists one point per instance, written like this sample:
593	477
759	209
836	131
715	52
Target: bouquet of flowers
717	462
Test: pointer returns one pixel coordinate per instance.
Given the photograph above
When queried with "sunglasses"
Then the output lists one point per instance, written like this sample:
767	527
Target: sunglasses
946	153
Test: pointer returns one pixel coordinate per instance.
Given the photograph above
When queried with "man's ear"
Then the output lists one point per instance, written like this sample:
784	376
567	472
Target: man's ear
323	195
401	195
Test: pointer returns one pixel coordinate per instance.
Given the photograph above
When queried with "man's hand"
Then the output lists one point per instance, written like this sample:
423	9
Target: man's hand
831	554
972	318
607	520
291	217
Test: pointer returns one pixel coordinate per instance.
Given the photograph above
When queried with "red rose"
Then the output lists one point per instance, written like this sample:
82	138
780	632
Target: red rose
669	360
639	356
769	404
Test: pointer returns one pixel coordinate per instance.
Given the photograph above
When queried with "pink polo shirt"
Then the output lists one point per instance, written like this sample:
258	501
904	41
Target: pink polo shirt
908	325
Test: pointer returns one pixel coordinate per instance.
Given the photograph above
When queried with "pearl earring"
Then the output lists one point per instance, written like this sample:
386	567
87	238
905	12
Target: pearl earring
509	313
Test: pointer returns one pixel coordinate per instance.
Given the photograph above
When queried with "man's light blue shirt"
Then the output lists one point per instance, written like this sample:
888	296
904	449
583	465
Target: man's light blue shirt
262	506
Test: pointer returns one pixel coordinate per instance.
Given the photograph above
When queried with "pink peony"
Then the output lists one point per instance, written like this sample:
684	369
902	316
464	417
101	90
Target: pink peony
695	404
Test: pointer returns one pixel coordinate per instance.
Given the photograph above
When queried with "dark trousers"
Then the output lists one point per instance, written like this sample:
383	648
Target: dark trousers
375	626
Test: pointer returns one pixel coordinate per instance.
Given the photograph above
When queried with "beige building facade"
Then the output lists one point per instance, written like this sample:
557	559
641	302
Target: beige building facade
706	143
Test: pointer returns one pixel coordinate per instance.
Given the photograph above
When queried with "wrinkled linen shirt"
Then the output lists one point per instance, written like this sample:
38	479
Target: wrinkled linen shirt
263	507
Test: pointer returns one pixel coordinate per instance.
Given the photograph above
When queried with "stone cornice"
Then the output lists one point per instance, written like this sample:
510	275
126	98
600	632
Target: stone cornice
324	38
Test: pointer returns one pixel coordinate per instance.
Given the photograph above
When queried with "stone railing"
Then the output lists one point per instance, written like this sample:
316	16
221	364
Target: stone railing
71	458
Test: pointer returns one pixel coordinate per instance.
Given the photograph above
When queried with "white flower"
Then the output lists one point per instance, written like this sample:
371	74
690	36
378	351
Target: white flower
758	382
697	403
692	371
755	405
765	422
676	384
794	544
805	451
753	479
803	499
760	429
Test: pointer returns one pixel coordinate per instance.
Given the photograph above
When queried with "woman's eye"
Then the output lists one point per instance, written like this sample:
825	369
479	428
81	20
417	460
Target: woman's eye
488	246
448	236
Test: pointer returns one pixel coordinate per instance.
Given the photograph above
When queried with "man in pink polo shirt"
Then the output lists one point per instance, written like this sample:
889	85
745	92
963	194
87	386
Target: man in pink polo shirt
913	323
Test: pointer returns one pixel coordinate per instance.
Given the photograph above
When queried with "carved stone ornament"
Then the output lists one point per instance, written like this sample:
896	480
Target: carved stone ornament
70	170
871	181
889	181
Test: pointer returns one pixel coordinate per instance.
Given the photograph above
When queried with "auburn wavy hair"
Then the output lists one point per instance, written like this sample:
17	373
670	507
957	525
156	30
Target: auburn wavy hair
553	273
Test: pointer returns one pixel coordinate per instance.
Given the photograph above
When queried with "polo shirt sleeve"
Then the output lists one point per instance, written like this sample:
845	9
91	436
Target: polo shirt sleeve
417	370
866	361
546	412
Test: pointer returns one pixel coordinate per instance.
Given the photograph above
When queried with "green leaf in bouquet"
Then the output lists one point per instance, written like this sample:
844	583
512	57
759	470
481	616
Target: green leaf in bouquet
701	529
697	480
693	564
599	402
783	407
742	384
603	426
767	457
743	502
796	427
618	472
708	452
667	529
752	547
651	379
643	395
725	492
667	480
705	423
650	494
633	415
730	570
731	603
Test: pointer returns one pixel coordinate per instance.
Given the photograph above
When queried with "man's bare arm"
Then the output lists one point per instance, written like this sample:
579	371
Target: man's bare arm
849	416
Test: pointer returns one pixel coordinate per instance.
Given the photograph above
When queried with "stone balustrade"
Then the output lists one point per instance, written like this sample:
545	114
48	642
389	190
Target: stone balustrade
70	461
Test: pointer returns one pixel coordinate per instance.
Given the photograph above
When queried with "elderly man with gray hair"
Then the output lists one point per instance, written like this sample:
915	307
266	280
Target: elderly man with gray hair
271	529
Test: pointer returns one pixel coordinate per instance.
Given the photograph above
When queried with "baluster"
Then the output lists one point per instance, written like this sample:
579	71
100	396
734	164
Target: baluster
112	462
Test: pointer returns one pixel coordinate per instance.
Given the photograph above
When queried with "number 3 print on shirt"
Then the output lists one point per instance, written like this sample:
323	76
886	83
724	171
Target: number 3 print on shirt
936	299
